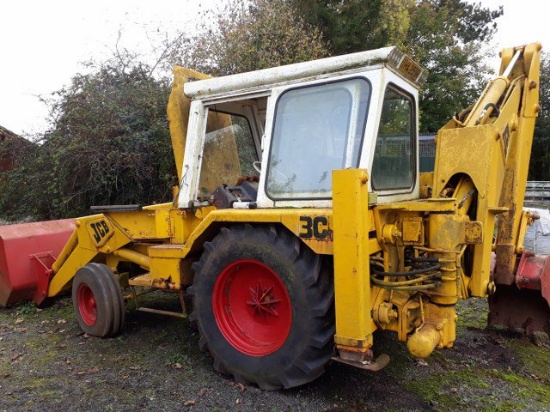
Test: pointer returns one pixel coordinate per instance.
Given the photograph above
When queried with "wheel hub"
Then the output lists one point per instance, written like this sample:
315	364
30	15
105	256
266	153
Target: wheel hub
252	307
263	300
87	305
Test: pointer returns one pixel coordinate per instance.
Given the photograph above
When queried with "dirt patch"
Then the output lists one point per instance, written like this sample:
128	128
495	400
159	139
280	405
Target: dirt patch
47	363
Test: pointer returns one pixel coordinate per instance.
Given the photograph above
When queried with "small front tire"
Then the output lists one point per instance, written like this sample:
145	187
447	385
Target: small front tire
97	301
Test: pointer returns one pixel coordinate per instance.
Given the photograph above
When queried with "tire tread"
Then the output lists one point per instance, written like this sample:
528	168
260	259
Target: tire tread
316	278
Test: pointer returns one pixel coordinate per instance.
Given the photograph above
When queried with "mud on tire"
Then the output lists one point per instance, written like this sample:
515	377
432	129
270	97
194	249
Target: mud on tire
263	304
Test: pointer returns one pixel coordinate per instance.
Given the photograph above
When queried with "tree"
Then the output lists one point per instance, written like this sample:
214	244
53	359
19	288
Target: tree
445	36
356	25
18	194
539	167
108	144
448	37
250	35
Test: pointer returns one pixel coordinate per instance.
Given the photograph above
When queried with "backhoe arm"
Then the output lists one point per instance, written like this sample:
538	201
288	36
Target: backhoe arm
524	69
483	157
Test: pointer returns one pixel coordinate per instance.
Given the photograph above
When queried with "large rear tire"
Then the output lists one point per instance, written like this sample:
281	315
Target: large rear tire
263	303
97	301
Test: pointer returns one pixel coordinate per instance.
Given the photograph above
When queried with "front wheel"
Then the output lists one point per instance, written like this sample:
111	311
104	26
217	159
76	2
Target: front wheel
97	301
263	303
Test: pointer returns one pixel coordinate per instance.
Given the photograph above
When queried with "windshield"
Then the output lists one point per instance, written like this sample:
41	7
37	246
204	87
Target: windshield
316	129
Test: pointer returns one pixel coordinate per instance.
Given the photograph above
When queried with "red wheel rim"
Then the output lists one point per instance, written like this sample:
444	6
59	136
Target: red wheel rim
87	305
251	307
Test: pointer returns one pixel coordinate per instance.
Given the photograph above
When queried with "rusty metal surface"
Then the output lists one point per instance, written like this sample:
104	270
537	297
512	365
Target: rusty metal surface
530	270
519	309
525	303
374	366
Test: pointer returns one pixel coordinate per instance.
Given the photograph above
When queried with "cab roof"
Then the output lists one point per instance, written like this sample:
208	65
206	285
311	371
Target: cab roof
257	81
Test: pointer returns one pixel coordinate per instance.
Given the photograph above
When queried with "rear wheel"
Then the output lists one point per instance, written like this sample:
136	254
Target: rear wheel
97	301
263	303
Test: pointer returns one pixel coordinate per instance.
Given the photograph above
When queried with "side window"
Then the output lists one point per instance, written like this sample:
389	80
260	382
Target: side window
229	151
316	129
394	156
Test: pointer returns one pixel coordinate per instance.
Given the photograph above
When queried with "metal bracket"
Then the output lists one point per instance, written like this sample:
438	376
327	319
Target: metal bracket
375	365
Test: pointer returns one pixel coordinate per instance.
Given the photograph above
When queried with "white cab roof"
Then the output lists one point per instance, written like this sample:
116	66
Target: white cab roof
268	78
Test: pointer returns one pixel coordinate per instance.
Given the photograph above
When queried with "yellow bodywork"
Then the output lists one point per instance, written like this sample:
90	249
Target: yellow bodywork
352	288
160	239
218	162
479	158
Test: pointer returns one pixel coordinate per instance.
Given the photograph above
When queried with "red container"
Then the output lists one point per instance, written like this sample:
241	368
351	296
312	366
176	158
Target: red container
534	273
27	252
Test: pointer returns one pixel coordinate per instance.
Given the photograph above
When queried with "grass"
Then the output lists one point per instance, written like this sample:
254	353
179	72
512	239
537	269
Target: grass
158	357
498	371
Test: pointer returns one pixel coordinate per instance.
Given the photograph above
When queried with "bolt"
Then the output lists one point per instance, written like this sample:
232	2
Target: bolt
491	288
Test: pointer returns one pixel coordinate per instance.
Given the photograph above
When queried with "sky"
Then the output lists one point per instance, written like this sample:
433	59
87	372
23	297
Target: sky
43	43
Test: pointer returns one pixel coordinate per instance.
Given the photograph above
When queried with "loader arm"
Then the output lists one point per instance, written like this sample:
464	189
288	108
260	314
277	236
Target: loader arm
93	235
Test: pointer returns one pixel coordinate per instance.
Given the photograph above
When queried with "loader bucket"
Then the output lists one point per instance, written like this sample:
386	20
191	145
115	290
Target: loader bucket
27	252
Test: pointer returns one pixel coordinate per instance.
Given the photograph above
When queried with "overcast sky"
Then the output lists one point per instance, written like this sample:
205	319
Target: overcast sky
42	43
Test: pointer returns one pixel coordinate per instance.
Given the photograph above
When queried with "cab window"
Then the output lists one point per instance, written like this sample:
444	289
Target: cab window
394	163
316	129
229	151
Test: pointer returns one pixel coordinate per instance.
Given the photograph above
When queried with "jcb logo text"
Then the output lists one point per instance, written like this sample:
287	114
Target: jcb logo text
315	227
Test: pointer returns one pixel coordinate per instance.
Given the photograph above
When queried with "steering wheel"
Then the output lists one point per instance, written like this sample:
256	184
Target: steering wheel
257	165
277	174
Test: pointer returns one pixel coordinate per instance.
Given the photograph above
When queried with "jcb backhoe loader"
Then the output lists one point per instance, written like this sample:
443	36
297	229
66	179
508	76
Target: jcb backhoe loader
301	224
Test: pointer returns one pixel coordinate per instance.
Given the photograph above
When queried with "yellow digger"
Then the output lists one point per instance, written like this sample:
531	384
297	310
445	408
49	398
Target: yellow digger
301	223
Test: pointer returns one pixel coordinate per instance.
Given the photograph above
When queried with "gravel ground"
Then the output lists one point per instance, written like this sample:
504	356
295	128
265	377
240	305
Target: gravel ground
47	364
